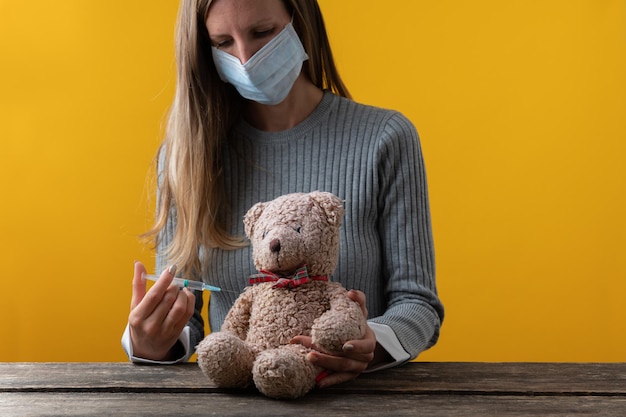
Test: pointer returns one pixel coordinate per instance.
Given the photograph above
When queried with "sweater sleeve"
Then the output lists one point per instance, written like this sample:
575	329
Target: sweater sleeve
414	311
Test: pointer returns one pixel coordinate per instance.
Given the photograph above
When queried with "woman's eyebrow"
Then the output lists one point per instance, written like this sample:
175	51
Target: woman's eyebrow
258	23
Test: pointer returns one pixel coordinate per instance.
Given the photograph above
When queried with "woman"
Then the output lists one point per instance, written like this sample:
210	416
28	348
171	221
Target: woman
261	111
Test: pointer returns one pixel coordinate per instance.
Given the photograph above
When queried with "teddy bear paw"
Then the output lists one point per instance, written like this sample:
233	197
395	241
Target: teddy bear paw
284	373
226	360
329	333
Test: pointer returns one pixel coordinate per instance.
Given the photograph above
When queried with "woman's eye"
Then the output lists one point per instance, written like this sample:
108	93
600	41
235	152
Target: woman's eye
263	33
223	44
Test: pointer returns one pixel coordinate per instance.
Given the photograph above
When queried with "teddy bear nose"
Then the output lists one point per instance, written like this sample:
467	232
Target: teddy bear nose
275	245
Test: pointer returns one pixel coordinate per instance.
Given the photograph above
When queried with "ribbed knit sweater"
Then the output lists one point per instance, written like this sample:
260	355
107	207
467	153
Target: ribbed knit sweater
369	157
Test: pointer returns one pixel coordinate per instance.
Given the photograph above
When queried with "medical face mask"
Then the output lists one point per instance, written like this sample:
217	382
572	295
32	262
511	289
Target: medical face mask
267	77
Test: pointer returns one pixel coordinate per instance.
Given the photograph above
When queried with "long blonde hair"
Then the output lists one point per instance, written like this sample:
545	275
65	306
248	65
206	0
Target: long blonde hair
191	187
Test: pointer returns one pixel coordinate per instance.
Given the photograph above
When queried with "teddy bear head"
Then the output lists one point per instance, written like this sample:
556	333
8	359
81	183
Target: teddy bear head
294	230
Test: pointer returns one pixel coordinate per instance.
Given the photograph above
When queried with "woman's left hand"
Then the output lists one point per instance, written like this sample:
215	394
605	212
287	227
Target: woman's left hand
356	355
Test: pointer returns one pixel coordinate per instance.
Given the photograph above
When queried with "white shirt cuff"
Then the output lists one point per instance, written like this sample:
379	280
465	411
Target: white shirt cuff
386	337
128	348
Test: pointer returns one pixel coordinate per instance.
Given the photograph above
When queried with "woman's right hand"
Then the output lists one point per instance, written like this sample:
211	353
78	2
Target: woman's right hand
158	316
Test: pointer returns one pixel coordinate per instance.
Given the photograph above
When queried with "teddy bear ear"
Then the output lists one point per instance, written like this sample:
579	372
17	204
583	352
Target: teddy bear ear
251	217
331	204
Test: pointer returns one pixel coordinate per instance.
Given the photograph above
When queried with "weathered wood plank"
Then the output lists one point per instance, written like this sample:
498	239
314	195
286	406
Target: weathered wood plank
314	405
413	378
513	378
99	376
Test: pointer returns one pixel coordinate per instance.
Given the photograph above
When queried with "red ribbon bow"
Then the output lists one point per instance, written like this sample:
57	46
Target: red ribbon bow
301	276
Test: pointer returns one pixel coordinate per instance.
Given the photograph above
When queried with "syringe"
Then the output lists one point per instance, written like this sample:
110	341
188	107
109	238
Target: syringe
185	283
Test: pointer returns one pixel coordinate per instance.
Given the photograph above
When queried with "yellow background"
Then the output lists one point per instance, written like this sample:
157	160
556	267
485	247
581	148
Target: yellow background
521	107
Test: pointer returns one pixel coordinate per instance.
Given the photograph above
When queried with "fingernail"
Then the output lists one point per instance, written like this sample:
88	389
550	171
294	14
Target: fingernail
143	277
172	269
348	347
311	358
319	379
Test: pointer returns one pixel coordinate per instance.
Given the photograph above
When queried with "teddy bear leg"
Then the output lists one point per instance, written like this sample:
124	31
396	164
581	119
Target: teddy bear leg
226	360
284	372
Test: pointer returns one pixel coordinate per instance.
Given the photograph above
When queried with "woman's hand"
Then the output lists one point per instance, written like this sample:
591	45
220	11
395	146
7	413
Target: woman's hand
355	358
158	316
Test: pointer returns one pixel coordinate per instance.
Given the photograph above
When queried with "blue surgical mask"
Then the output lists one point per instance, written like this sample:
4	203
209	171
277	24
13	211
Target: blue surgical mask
267	77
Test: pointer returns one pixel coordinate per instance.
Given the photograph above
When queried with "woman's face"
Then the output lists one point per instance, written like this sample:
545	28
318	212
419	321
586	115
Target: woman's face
242	27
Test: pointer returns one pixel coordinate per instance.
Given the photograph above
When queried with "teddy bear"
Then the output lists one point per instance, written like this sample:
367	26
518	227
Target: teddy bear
295	247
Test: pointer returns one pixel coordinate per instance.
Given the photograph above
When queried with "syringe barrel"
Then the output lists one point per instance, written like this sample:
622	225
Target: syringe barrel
185	283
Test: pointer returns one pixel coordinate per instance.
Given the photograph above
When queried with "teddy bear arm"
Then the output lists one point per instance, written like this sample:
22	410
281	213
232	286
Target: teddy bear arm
237	320
343	321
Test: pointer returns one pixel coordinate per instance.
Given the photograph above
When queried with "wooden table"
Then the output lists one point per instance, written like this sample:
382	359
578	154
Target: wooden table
415	389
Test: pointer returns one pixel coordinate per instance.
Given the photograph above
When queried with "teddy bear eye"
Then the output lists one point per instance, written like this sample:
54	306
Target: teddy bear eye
264	234
297	229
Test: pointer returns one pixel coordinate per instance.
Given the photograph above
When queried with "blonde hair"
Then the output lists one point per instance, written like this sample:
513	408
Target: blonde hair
204	108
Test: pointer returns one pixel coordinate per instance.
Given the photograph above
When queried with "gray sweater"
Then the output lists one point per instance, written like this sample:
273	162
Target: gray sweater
369	157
